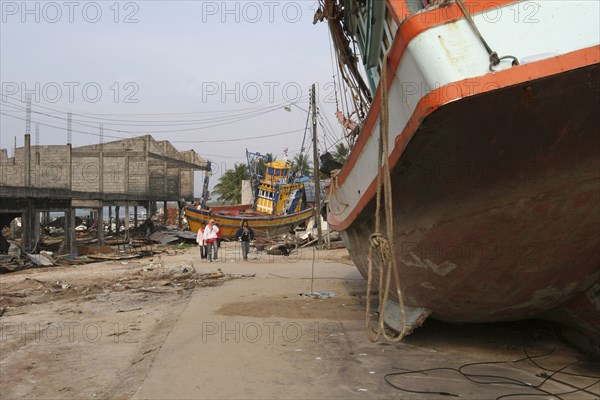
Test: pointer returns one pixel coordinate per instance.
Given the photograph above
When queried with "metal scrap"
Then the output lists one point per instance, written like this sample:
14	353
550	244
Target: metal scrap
166	236
163	237
40	260
318	295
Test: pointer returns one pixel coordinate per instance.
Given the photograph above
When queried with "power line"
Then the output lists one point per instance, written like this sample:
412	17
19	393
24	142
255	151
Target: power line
172	141
85	113
237	139
62	128
221	156
159	123
224	121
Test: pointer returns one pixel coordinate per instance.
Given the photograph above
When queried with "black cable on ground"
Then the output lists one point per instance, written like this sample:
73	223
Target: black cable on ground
505	380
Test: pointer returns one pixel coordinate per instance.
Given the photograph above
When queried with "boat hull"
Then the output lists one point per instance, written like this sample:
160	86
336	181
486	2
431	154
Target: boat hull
229	219
497	206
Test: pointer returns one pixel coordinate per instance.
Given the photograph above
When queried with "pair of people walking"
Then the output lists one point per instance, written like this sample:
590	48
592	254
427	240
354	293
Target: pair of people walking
208	240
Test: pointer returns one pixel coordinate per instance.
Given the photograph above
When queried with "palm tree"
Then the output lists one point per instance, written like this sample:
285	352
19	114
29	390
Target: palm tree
341	152
262	164
302	164
229	187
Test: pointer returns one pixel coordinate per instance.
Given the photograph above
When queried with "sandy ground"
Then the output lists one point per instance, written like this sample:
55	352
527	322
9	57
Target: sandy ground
175	327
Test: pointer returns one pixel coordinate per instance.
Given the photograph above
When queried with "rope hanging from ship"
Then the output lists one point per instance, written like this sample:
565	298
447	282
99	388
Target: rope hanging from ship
380	244
334	186
494	58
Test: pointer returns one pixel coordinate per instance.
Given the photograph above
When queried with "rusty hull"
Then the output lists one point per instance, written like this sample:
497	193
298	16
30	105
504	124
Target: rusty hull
497	206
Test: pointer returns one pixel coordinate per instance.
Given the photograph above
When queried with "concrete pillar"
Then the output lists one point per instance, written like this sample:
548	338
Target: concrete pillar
100	226
30	229
118	218
70	231
127	216
45	217
180	214
165	214
127	220
152	210
110	219
135	216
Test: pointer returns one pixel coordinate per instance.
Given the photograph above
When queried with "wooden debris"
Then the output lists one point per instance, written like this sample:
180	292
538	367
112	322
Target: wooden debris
133	309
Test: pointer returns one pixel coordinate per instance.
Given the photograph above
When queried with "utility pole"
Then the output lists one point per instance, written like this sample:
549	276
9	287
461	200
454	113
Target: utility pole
316	168
69	128
27	145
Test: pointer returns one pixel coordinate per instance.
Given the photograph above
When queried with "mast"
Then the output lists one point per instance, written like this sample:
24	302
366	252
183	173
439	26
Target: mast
204	198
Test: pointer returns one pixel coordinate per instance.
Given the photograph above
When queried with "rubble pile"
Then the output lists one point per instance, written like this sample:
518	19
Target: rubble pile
146	240
154	277
286	243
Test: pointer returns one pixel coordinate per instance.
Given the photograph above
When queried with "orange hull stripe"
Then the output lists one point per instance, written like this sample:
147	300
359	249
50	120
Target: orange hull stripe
455	91
412	27
439	15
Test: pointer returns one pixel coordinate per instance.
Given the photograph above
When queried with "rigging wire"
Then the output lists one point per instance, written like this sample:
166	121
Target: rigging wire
302	149
334	143
339	69
325	135
327	128
331	126
333	74
344	89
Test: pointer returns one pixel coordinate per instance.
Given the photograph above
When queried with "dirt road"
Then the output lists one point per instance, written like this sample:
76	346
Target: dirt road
175	327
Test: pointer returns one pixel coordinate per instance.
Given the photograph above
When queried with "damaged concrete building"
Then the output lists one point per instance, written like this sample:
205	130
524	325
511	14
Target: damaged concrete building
138	171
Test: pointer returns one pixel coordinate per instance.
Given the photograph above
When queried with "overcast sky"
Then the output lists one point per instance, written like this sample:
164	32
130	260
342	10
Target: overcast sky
192	72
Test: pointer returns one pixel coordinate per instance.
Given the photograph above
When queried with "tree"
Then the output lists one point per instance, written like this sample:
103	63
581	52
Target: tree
341	153
262	164
229	187
302	164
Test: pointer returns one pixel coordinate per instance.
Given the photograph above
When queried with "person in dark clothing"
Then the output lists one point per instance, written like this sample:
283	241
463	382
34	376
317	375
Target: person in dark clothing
245	234
219	236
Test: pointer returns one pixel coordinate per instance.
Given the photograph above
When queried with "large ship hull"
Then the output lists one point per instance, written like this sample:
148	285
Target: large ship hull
498	221
229	220
496	189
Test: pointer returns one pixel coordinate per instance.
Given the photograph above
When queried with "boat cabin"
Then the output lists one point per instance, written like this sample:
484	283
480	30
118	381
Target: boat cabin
275	195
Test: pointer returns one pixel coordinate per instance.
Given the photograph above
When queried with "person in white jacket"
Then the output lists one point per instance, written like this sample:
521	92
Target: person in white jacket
210	238
201	242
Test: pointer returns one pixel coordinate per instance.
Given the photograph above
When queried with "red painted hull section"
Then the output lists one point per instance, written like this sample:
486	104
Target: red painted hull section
497	206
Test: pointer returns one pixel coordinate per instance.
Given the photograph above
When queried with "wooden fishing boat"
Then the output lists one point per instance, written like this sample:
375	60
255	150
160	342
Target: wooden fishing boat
229	219
494	160
279	205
